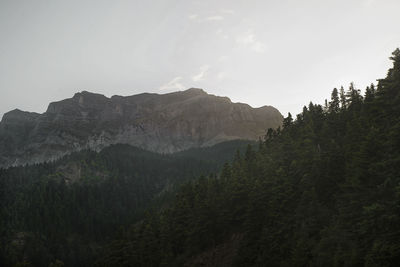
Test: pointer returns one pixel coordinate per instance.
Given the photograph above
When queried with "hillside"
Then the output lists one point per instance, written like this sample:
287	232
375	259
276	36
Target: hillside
323	191
67	209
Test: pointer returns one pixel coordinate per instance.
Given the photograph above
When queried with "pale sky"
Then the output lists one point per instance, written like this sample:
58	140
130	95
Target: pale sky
283	53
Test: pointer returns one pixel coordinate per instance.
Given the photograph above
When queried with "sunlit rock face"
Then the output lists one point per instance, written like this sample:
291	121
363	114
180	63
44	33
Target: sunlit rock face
162	123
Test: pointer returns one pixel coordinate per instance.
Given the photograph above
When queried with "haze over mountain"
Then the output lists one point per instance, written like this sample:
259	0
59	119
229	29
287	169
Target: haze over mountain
247	51
160	123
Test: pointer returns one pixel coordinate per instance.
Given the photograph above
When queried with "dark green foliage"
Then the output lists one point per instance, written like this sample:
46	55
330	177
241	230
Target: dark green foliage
64	211
322	191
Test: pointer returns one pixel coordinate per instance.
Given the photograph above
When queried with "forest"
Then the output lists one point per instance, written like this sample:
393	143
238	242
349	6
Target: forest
65	211
322	190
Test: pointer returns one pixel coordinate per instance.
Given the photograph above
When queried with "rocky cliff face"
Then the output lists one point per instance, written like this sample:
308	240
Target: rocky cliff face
161	123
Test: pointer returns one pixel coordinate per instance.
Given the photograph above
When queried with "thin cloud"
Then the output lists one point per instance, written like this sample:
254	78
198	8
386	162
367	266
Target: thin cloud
221	33
221	76
259	47
246	39
174	84
200	76
193	16
368	3
214	18
222	58
228	11
249	40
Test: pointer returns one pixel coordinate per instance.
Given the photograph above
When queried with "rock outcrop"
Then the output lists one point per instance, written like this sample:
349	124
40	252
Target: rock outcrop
162	123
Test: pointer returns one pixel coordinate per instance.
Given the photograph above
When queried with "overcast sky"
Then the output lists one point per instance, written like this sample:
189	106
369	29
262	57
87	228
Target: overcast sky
283	53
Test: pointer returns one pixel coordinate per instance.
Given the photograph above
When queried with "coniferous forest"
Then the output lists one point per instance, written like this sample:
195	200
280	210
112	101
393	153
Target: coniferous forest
65	211
323	190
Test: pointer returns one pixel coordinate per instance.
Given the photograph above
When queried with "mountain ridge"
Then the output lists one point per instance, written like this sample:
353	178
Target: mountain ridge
163	123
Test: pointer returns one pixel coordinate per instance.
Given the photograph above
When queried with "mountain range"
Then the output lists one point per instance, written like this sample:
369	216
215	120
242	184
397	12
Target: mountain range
163	123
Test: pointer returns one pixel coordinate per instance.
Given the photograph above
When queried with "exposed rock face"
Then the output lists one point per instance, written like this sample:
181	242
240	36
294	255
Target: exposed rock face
161	123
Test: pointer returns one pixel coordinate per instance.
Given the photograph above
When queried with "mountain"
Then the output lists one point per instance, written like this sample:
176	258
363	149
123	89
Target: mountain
164	123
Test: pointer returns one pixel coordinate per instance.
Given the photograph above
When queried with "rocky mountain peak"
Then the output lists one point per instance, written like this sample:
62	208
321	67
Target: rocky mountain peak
18	118
89	97
164	123
17	114
195	91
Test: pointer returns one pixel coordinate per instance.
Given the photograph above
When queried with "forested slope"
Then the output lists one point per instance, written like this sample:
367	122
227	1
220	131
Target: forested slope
322	191
67	209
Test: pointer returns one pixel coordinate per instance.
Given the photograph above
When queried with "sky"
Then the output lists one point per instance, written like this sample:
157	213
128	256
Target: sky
283	53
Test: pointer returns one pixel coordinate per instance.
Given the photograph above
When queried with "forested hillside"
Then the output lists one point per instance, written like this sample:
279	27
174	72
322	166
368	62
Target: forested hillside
64	211
322	191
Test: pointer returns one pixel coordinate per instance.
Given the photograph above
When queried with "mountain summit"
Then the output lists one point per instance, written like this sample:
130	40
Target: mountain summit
164	123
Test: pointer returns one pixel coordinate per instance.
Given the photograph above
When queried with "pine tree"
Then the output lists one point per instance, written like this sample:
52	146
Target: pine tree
334	105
